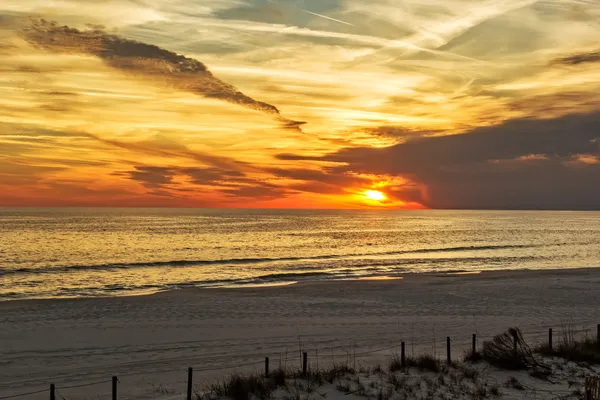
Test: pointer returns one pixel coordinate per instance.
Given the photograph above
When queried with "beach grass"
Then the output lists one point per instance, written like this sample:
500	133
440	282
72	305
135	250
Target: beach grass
483	375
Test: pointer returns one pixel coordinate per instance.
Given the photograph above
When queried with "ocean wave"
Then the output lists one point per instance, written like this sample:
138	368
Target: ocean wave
242	261
387	268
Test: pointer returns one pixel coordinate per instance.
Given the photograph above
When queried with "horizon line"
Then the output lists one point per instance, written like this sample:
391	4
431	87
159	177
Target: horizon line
301	208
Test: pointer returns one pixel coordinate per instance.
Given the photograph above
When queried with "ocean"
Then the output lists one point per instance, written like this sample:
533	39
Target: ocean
90	252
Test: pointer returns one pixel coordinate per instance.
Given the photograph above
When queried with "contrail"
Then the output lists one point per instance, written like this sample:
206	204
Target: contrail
317	15
326	17
451	29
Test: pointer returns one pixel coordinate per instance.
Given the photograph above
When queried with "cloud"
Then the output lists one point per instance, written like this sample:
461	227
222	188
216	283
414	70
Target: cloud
319	181
526	163
144	61
232	183
208	176
398	132
257	190
581	58
151	177
158	148
155	176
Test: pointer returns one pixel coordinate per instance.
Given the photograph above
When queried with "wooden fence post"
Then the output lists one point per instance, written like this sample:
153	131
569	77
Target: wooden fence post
304	363
114	387
52	392
449	355
266	366
550	338
189	383
474	345
402	355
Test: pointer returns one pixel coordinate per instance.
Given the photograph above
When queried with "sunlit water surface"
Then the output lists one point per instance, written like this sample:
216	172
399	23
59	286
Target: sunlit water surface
112	252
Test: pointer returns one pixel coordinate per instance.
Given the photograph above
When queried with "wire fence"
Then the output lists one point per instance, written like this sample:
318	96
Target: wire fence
323	355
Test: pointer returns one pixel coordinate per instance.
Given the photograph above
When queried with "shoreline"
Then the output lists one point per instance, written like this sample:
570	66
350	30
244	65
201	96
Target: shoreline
407	278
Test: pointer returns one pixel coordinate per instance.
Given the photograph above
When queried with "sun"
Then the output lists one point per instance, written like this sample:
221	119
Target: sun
374	195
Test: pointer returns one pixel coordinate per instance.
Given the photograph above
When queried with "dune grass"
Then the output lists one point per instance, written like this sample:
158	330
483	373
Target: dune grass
569	347
584	350
418	377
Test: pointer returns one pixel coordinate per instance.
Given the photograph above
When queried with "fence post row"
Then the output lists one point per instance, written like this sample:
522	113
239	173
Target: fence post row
305	362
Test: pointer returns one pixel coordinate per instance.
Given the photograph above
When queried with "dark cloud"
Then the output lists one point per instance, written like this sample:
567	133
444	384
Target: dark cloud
581	58
152	177
156	177
398	132
145	61
519	164
229	182
173	150
257	190
318	181
60	94
557	103
410	193
211	176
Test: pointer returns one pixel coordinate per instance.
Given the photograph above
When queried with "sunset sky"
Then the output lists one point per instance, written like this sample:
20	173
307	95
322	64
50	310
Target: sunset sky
300	103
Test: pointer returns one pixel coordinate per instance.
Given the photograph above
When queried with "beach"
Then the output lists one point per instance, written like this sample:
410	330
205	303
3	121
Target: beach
149	341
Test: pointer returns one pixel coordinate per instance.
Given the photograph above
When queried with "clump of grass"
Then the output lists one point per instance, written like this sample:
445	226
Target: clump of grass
469	373
509	350
278	377
495	390
514	383
541	373
481	392
394	381
343	387
384	395
395	363
473	357
425	363
238	387
585	350
336	372
377	369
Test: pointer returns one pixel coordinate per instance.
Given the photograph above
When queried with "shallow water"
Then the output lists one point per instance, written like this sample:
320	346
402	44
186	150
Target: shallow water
75	252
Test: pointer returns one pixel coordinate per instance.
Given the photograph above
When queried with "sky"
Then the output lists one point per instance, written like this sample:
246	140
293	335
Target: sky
483	104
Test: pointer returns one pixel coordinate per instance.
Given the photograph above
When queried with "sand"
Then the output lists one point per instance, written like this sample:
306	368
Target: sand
149	341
